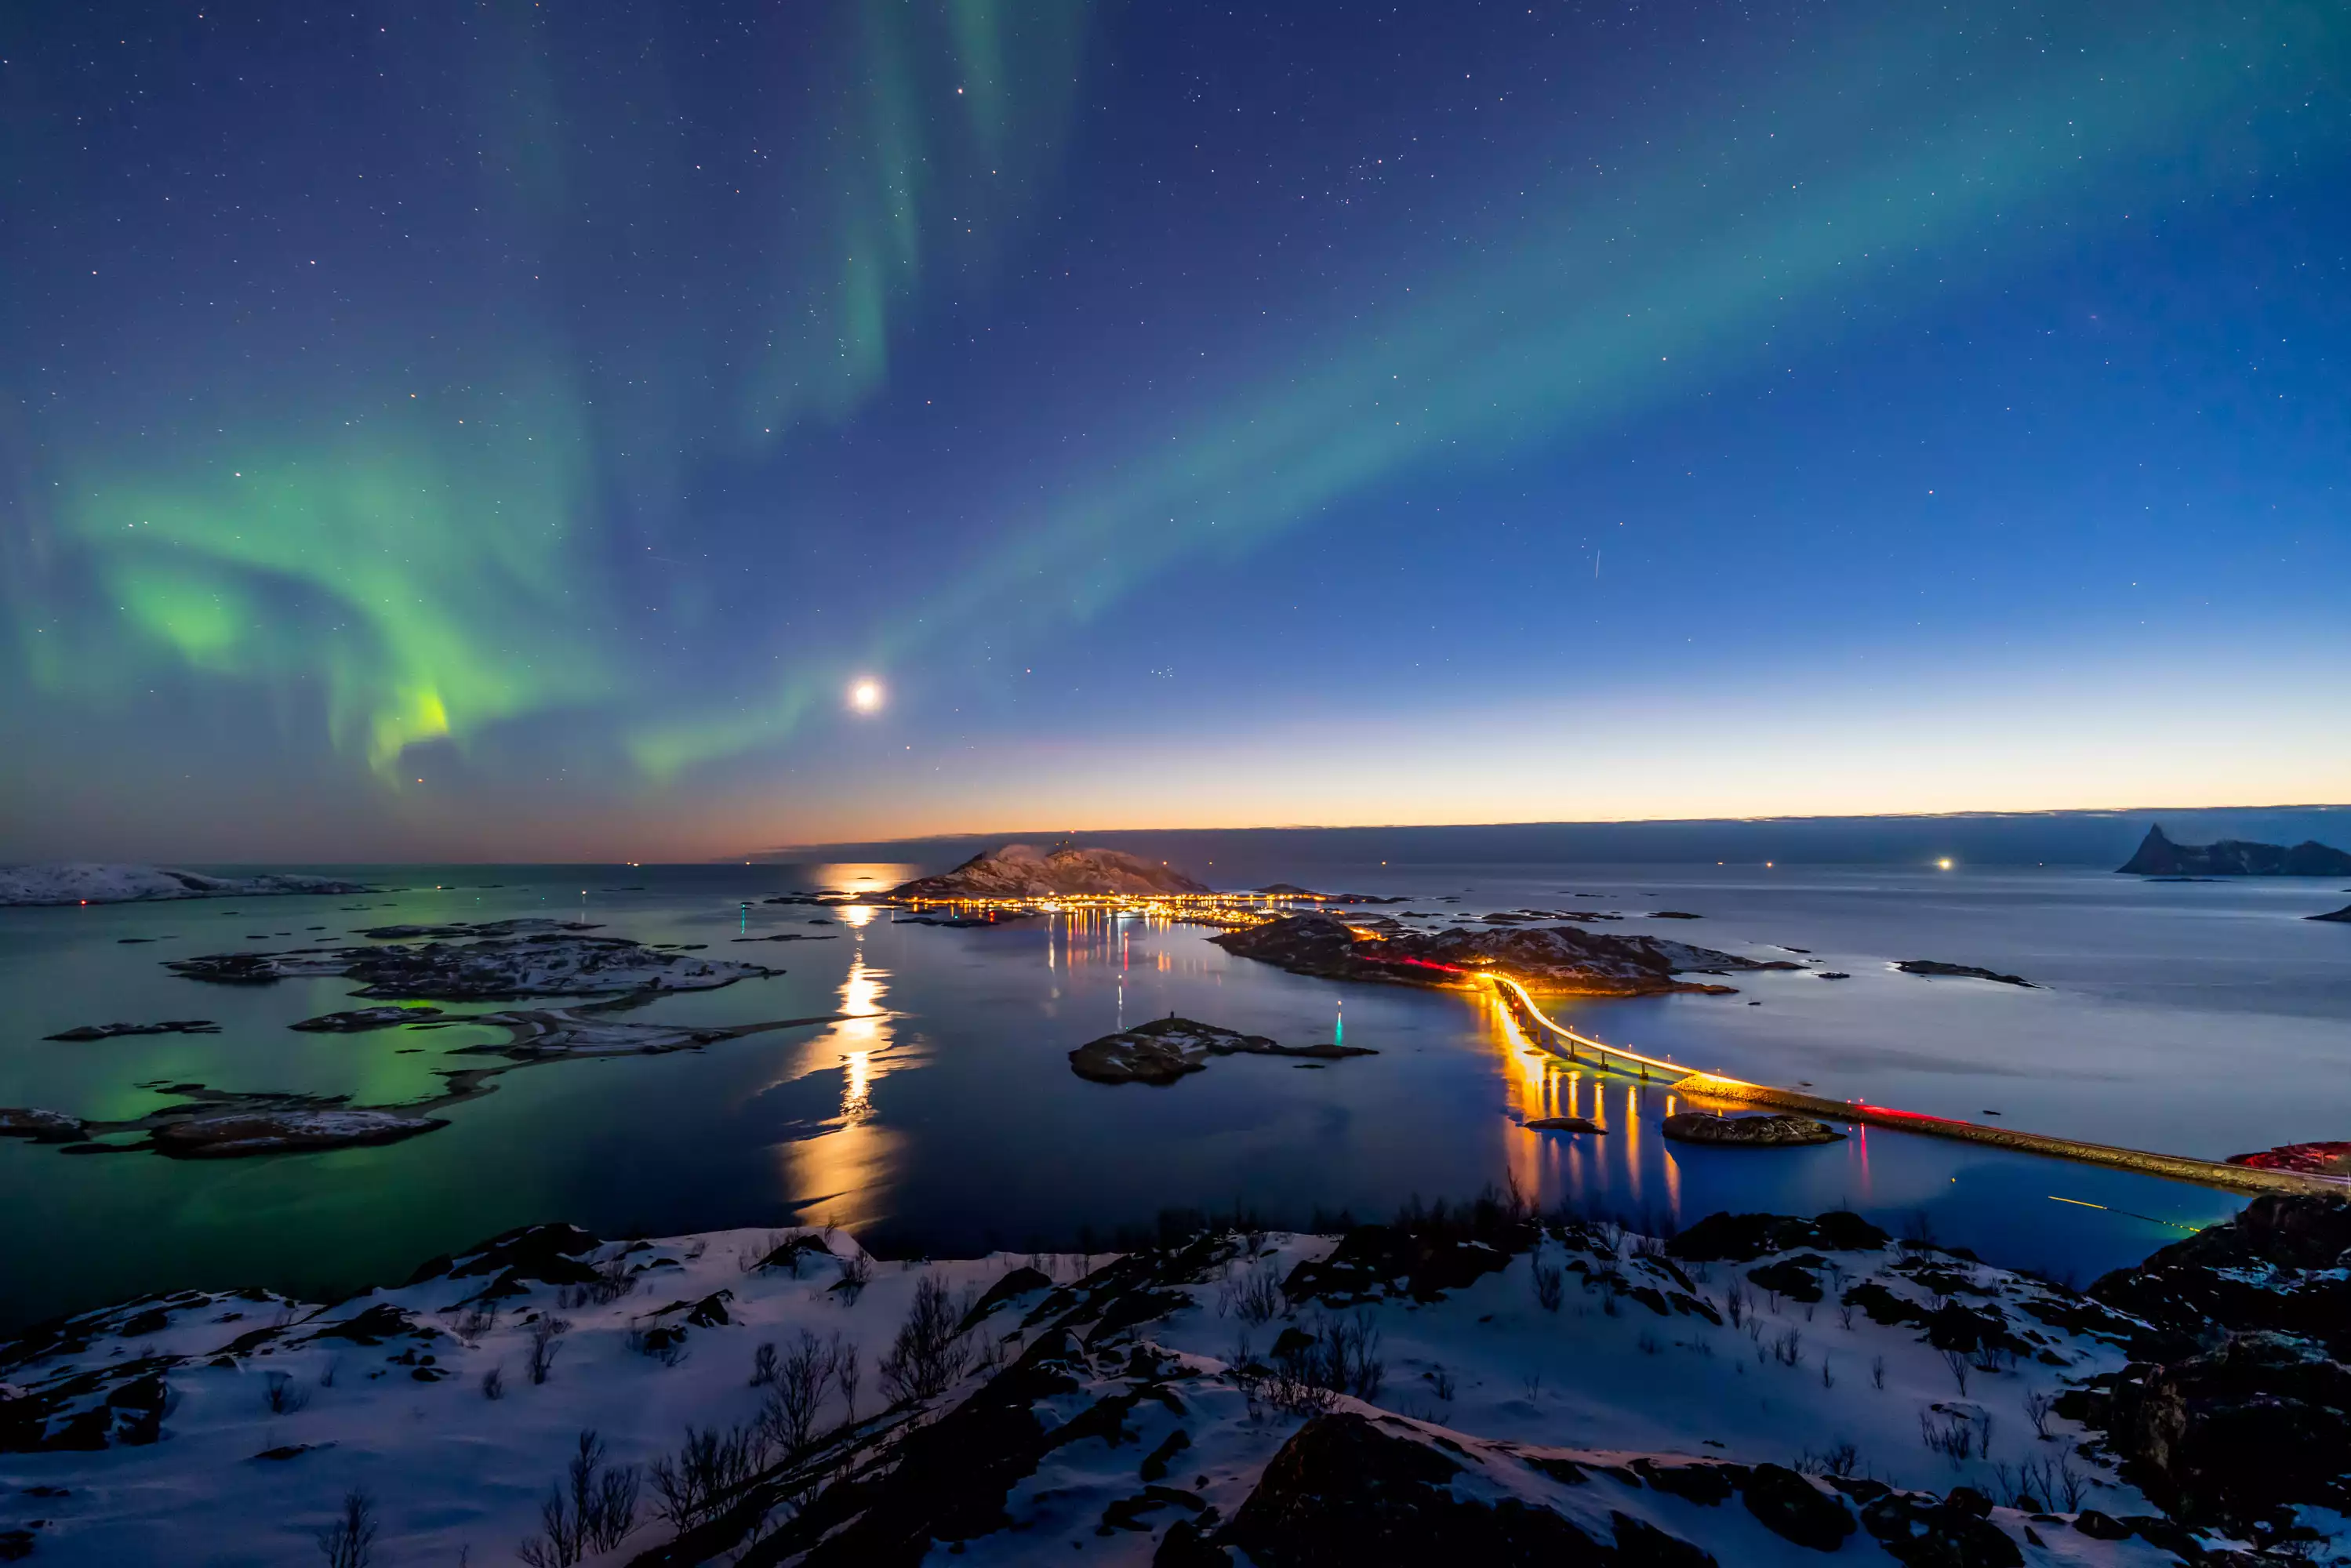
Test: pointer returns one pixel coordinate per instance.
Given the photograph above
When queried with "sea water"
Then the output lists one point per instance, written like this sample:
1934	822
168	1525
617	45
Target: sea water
939	1114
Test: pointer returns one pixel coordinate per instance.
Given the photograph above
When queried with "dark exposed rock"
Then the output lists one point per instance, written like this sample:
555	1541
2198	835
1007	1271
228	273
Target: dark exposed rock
1425	1262
2278	1266
1920	1530
1796	1508
1700	1481
1016	1283
2158	856
1564	1124
2241	1434
110	1030
1021	871
1791	1277
1165	1050
41	1127
360	1020
550	1254
2239	1407
1344	1491
2343	914
1742	1237
1770	1132
1932	966
1561	958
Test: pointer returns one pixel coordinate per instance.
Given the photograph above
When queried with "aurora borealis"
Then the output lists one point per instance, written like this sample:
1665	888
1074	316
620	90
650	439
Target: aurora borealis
509	430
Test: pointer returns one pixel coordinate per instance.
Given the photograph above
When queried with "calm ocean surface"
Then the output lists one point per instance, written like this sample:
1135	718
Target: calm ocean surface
2201	1018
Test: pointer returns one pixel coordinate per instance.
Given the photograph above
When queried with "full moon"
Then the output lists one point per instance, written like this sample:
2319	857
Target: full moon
865	696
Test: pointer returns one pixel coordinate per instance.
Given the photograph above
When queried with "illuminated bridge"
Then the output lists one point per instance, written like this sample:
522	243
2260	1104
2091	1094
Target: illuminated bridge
1561	1041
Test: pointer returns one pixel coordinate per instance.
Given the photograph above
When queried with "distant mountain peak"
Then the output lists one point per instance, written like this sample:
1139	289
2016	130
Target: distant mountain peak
2159	856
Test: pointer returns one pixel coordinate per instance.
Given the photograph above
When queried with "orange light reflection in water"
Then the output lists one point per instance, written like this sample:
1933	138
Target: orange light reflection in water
1550	1167
847	1169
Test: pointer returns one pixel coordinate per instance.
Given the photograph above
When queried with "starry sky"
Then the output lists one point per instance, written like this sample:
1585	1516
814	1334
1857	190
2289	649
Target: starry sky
510	430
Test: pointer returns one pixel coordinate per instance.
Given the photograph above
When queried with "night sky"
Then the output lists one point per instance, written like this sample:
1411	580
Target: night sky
513	430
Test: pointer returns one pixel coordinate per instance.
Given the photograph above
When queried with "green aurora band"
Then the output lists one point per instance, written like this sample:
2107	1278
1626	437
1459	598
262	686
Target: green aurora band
1650	283
426	582
422	564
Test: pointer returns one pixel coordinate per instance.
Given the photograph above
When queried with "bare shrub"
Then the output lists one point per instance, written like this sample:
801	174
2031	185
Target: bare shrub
1957	1361
2071	1487
1441	1383
928	1353
1877	1371
473	1320
546	1342
1334	1356
612	1281
1788	1349
2037	1409
1737	1304
763	1365
801	1378
710	1468
660	1342
1828	1378
494	1382
1551	1286
1647	1343
1839	1459
593	1513
1254	1297
846	1371
856	1273
2041	1485
1953	1437
279	1395
350	1542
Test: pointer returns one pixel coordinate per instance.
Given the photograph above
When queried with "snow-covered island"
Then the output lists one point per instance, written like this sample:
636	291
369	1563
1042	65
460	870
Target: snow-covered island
494	968
85	882
1479	1385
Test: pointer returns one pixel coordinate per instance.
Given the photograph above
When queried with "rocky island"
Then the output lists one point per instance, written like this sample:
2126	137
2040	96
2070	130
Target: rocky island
1023	871
1930	967
1165	1050
1562	959
550	964
2158	856
86	881
1775	1132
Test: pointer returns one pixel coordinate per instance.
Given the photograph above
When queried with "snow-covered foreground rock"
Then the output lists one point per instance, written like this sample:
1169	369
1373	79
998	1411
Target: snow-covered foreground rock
91	882
1474	1385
